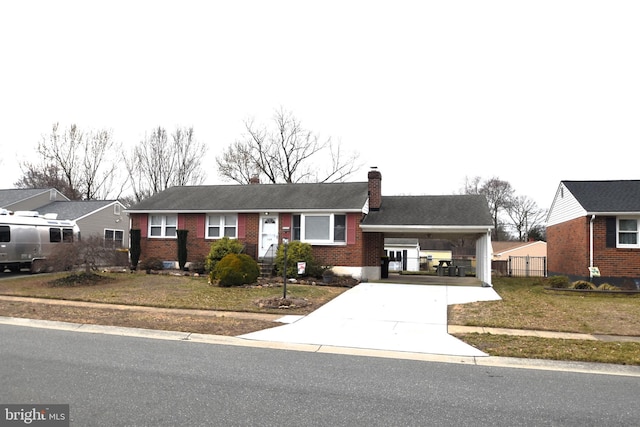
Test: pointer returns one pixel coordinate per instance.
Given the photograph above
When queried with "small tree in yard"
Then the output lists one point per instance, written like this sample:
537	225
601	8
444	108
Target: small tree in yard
90	252
221	248
182	248
135	248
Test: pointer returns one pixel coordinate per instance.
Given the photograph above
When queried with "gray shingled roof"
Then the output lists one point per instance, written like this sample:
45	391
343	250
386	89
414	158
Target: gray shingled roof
15	195
350	196
74	209
456	210
606	196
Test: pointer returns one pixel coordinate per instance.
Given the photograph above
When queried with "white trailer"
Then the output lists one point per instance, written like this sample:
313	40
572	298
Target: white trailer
28	238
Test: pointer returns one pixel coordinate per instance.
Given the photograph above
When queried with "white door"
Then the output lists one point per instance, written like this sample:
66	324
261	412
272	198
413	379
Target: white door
268	236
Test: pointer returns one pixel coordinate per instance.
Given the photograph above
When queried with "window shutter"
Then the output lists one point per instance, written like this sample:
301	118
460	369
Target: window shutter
611	231
144	225
242	226
181	221
352	224
200	226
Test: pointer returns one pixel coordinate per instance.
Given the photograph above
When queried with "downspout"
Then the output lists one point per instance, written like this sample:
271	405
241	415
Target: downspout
593	217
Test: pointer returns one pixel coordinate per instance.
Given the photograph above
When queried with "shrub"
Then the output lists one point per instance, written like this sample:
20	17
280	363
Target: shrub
582	284
558	282
135	247
197	267
608	287
182	248
219	249
152	264
296	252
235	270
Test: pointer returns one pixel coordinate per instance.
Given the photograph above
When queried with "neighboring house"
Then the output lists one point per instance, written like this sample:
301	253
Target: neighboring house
596	224
404	254
19	199
346	223
520	259
503	250
103	218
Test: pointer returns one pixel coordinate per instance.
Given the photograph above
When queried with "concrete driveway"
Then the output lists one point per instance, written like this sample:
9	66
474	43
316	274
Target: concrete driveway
384	316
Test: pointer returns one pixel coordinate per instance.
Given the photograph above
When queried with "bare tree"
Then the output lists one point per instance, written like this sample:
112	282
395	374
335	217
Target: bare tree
159	162
77	163
499	194
98	164
525	216
47	176
285	153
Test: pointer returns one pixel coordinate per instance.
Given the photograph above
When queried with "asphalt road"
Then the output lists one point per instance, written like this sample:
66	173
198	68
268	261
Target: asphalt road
117	381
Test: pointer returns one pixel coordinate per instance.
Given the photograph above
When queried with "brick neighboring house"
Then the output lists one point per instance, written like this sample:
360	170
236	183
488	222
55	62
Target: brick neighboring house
346	223
596	224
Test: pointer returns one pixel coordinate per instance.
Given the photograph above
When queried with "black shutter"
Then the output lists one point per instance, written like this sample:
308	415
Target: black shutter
611	231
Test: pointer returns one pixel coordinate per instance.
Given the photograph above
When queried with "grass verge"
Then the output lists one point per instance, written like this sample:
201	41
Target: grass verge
525	305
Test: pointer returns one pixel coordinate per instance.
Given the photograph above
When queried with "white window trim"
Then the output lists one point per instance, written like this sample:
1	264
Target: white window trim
222	226
331	241
163	227
104	231
618	232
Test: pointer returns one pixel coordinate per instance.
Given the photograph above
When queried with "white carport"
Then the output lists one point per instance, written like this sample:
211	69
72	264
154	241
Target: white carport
439	217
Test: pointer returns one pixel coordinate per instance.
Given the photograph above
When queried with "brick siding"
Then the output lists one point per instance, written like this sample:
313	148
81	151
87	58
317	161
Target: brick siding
568	252
364	251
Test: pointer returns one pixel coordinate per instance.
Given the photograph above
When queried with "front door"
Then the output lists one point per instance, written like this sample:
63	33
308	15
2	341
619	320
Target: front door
268	236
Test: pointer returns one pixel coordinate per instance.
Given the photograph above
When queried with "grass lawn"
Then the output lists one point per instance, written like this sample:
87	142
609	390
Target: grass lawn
525	305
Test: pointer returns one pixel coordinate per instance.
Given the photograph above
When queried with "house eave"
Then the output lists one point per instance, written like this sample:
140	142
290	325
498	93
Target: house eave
630	213
200	211
447	229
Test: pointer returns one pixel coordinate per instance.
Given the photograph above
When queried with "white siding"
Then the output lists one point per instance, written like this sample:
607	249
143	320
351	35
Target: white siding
565	207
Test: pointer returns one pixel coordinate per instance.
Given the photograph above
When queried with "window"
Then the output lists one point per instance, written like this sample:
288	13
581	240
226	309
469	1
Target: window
67	235
222	226
113	238
320	228
627	232
5	233
116	209
163	225
57	235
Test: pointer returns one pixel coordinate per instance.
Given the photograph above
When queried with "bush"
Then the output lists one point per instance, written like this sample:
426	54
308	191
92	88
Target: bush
560	282
135	247
296	252
219	249
582	284
151	264
197	267
608	287
235	270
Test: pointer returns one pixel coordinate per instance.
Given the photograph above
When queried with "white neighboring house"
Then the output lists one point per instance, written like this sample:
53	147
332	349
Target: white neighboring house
404	254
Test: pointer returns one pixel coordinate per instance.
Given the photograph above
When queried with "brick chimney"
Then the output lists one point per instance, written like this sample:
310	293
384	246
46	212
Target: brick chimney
375	189
255	179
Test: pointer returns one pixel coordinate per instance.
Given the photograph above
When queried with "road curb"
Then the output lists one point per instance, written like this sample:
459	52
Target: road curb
489	361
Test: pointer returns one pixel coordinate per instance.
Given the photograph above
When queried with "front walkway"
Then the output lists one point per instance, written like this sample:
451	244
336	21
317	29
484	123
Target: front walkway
384	316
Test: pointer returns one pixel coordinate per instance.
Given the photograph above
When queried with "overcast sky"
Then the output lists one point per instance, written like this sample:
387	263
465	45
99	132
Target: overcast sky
429	92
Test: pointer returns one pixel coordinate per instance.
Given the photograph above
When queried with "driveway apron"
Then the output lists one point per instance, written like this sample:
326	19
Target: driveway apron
384	316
